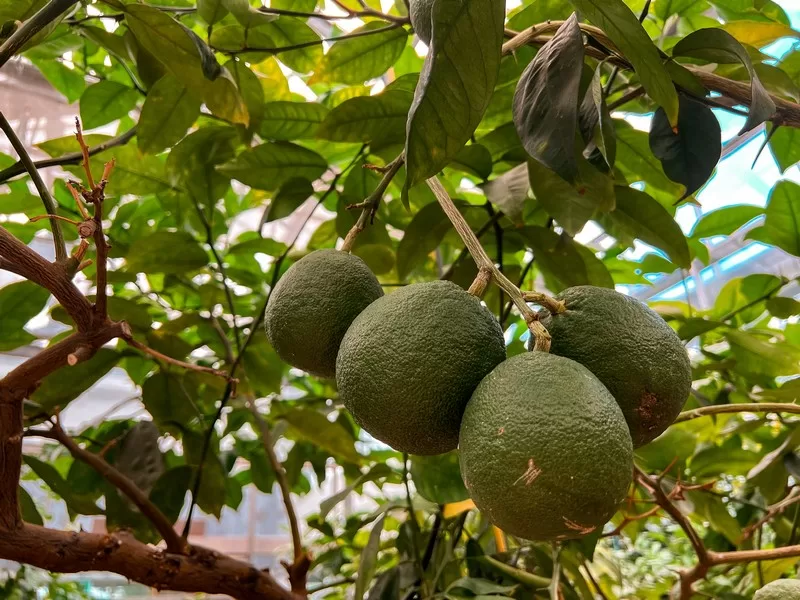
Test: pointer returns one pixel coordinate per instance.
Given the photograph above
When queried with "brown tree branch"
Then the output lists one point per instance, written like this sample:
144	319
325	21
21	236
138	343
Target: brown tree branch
11	428
776	407
73	158
47	14
49	204
175	544
202	570
32	266
174	361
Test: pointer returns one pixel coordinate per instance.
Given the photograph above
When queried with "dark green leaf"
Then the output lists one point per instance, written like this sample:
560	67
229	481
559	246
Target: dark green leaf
572	206
211	11
288	198
438	478
474	159
362	58
283	120
169	492
70	82
329	436
269	165
637	215
481	587
378	119
168	111
716	45
106	101
76	503
456	83
623	27
139	457
19	303
30	514
595	103
61	387
783	307
545	102
166	252
422	236
690	152
167	400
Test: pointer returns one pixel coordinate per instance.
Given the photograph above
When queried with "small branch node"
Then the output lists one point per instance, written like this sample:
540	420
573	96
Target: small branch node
479	285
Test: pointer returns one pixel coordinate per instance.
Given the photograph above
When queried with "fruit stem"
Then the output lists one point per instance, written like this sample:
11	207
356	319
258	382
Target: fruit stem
555	307
483	279
370	206
540	335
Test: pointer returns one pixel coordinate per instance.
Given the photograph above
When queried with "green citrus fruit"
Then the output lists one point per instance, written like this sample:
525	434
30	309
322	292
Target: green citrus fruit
631	349
312	306
420	14
409	363
781	589
545	451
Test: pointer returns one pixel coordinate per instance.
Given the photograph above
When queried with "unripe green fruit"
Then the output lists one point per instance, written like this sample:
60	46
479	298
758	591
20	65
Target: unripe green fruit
545	451
781	589
420	14
629	348
312	306
410	362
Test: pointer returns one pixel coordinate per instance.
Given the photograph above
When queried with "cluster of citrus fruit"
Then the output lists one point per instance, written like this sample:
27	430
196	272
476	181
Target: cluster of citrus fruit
545	439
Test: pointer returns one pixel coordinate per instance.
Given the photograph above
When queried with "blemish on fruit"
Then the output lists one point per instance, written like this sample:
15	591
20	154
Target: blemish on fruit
578	527
647	411
501	431
530	474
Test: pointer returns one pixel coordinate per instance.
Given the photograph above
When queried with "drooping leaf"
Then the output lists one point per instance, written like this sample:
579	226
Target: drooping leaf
758	33
267	166
724	221
689	152
360	59
623	27
379	471
30	514
545	106
369	557
288	198
211	11
756	355
455	85
106	101
168	111
600	125
716	45
438	478
76	503
509	191
422	236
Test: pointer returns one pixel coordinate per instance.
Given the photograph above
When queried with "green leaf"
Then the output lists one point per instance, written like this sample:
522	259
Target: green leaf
70	82
456	83
378	471
724	221
474	159
481	587
19	303
246	14
288	198
785	146
211	11
422	236
545	107
76	503
369	558
30	514
290	31
594	104
61	387
166	399
509	191
637	163
378	119
691	328
269	165
169	492
327	435
716	45
637	215
782	225
174	46
756	355
572	206
783	307
690	152
623	27
139	457
168	111
360	59
166	252
106	101
438	478
282	120
666	8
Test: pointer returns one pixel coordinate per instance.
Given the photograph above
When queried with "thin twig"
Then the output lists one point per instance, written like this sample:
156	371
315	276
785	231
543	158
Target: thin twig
174	361
73	158
44	193
541	337
370	206
756	407
46	15
120	481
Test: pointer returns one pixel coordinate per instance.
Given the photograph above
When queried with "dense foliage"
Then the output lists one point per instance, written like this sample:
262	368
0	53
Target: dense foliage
228	117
